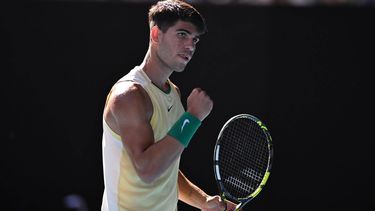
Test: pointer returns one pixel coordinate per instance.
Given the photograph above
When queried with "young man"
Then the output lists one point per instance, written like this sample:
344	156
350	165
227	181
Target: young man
145	126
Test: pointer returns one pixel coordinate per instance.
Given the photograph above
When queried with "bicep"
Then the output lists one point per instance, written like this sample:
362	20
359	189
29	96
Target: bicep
132	114
136	137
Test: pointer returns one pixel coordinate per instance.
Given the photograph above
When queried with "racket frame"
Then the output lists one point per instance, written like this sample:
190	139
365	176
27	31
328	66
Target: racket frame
224	194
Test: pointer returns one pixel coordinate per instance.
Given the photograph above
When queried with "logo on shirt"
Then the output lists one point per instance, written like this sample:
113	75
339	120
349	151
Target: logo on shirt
186	121
170	108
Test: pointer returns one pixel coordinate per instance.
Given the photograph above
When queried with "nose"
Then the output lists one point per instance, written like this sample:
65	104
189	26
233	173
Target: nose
190	45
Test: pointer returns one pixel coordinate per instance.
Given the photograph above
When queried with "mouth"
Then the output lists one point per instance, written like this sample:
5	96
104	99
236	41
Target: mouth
185	57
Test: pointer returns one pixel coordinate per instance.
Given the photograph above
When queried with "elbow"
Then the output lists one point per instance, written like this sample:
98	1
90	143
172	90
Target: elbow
146	173
146	177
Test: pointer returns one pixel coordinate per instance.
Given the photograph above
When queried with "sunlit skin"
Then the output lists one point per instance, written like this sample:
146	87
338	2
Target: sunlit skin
129	110
170	51
178	45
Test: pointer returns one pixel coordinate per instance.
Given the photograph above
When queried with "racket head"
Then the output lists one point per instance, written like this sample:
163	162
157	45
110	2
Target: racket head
242	158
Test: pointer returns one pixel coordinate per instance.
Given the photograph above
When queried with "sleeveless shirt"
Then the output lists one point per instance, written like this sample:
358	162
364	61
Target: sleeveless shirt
124	190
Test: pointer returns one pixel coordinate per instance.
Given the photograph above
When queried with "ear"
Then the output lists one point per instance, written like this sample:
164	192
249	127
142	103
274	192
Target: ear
154	34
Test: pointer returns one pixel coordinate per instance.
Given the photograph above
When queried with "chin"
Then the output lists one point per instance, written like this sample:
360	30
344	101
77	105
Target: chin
180	69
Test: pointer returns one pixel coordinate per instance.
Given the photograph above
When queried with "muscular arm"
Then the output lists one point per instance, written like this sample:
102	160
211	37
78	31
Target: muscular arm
129	110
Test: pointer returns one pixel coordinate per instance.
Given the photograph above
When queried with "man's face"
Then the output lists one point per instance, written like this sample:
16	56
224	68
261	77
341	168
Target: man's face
177	45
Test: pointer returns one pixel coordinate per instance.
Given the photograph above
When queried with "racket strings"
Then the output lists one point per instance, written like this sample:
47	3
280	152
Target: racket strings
243	157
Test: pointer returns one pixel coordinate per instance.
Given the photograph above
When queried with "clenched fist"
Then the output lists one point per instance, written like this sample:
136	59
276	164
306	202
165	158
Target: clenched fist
199	104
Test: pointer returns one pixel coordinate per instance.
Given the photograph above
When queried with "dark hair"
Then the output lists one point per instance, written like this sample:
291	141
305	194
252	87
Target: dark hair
166	13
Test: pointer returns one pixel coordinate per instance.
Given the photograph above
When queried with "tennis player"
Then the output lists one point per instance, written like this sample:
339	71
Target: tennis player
145	126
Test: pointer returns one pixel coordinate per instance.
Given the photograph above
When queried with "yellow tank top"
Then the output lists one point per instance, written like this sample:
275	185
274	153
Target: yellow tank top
124	190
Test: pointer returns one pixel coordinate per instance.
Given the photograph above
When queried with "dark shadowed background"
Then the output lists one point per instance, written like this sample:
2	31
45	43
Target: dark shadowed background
306	72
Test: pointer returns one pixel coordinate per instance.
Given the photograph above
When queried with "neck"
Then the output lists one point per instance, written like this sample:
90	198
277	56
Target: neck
156	71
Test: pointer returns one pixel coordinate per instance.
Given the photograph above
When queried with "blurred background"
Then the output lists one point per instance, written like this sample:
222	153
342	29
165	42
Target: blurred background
304	67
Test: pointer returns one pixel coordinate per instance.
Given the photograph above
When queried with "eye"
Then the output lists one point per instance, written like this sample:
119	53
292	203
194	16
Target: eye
196	40
182	34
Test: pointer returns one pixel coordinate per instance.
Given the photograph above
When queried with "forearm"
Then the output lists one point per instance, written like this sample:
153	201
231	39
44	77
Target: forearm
155	159
190	193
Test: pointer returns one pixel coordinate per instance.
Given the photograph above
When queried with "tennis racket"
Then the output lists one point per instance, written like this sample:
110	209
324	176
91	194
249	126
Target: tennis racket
242	159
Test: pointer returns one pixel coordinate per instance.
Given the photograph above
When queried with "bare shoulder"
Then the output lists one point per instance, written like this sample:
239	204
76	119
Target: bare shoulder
128	102
128	91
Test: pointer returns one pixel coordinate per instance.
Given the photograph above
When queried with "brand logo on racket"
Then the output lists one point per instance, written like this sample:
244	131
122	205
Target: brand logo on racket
186	121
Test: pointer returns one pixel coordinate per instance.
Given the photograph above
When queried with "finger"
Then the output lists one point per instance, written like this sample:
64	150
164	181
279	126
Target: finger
202	93
197	89
216	203
212	204
223	206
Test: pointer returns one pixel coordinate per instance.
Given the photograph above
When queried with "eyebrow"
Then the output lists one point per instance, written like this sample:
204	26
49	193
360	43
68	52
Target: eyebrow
188	32
184	30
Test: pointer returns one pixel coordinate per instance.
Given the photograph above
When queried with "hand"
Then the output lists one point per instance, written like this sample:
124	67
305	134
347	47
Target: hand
231	206
199	104
214	203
